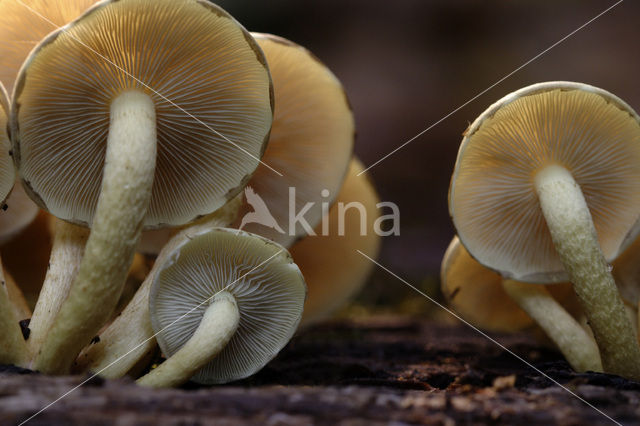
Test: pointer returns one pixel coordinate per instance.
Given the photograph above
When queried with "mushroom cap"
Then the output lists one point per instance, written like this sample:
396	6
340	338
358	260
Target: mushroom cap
311	138
333	270
7	171
24	23
477	295
268	287
492	199
191	58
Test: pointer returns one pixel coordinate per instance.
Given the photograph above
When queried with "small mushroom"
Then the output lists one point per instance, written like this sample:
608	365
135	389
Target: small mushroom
123	120
488	301
13	349
333	269
545	189
223	305
130	338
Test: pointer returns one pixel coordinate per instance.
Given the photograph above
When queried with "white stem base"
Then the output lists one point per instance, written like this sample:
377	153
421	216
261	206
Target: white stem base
576	345
124	199
575	239
218	325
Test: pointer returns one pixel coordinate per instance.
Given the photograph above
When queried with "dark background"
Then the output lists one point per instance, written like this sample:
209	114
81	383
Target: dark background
407	64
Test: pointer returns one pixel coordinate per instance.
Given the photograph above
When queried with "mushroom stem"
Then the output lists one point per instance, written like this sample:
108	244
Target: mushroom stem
66	254
14	349
575	239
125	341
218	325
573	341
123	202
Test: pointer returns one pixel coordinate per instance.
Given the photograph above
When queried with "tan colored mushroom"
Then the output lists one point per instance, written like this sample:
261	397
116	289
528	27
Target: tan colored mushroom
333	269
222	305
178	126
545	189
486	300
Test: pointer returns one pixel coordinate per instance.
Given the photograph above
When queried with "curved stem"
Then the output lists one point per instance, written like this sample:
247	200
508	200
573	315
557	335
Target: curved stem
123	202
575	239
14	349
66	254
575	344
219	323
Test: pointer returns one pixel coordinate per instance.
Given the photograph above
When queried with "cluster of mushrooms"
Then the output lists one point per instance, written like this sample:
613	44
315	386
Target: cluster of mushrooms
546	189
134	126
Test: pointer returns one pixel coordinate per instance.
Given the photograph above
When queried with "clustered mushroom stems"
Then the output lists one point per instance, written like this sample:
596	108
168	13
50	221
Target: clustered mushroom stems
77	301
127	181
574	236
129	338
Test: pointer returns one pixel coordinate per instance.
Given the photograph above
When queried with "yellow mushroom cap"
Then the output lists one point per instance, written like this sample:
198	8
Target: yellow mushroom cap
492	200
191	58
267	286
311	138
7	171
24	23
333	270
477	295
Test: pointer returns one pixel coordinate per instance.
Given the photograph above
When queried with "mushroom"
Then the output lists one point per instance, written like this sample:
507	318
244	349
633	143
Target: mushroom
332	267
223	304
311	144
122	124
130	338
545	189
11	341
486	300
